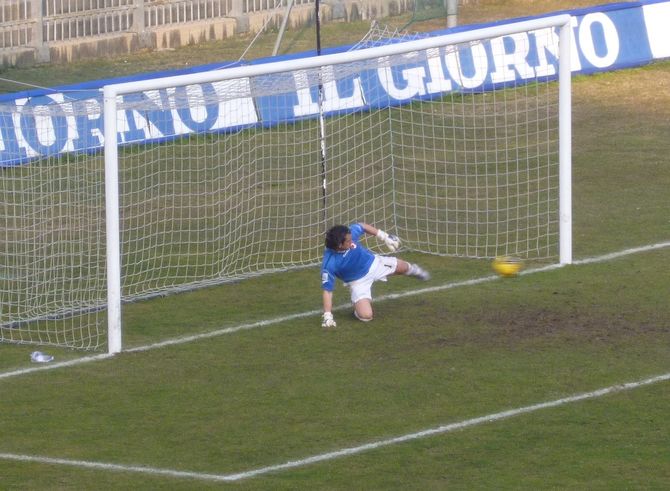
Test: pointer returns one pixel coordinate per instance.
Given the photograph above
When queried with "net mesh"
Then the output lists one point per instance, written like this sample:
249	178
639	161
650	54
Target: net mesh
452	170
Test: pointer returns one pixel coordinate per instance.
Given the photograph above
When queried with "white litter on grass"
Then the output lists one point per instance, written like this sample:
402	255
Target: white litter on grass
39	357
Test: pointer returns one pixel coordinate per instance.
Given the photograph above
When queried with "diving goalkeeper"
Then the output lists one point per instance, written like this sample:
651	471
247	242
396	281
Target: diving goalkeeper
359	268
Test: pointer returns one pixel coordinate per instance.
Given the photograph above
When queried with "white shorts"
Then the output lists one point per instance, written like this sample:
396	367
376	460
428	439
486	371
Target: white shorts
380	268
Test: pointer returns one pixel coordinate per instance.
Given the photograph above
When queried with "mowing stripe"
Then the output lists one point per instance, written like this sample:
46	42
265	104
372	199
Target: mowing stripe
338	453
287	318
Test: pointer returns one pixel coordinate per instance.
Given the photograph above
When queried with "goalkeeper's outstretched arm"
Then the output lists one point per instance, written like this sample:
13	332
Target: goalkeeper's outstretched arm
391	241
327	301
328	320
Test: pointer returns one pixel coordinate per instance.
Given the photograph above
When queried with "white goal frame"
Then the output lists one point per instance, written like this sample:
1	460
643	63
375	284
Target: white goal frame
112	92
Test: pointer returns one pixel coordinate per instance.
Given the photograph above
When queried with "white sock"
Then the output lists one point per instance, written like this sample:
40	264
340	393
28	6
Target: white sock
417	271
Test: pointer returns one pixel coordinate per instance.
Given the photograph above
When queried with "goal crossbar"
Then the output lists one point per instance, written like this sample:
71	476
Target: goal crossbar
562	20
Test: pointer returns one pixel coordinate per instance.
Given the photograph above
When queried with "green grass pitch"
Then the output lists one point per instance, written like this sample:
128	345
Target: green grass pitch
287	391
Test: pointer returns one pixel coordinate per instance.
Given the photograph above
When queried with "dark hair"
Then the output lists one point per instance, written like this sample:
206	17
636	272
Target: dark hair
336	236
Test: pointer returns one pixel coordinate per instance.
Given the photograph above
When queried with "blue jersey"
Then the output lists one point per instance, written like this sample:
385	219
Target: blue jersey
346	265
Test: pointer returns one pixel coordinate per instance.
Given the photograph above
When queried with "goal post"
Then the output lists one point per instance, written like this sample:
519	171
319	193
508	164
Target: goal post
565	144
459	143
112	224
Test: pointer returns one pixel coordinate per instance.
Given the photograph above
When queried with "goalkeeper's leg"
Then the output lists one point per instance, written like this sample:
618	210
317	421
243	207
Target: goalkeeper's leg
410	269
361	298
363	310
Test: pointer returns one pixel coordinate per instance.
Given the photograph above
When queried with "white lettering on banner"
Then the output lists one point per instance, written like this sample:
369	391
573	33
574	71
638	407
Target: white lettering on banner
575	62
20	139
198	115
148	125
306	105
657	19
587	42
238	111
546	40
480	66
45	131
136	125
89	126
179	127
504	60
438	83
127	126
332	101
47	124
70	120
413	76
122	126
198	112
331	97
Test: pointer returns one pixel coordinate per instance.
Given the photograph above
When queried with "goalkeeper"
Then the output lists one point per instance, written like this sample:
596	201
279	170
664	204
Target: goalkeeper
358	268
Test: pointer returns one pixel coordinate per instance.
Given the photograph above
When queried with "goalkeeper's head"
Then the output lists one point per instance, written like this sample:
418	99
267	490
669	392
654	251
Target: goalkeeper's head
336	236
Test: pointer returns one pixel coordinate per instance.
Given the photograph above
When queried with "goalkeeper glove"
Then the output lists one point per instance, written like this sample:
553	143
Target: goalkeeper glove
328	320
392	242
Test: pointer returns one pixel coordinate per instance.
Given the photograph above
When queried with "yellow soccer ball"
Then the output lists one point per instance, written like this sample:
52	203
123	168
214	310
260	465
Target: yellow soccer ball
507	266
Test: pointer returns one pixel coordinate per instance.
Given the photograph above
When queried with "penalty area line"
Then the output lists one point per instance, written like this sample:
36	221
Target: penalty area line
300	315
491	418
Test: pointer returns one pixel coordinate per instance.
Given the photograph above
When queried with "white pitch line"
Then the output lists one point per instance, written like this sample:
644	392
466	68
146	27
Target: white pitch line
625	252
300	315
51	366
439	430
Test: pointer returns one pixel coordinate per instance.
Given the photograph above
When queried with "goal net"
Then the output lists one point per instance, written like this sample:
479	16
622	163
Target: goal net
451	142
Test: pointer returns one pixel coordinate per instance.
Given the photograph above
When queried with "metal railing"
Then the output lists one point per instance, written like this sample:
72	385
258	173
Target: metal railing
32	23
85	23
17	23
40	30
165	12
